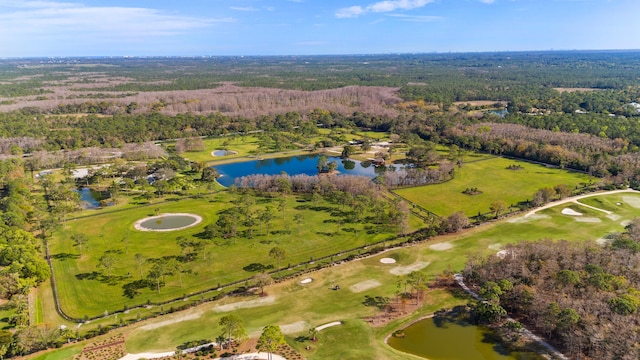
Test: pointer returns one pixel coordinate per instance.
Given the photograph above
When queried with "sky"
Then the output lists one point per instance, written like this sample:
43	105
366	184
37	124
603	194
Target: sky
311	27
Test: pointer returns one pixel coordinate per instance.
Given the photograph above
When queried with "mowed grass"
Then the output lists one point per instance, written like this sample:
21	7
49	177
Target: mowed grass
496	182
316	304
242	145
85	289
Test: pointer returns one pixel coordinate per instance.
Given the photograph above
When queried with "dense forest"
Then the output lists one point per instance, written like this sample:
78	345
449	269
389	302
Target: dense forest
582	296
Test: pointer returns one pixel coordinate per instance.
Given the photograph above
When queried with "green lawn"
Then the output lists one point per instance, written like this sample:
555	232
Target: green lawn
316	304
242	145
496	182
79	278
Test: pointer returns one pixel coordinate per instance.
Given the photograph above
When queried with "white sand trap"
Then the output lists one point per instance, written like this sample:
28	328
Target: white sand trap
388	261
295	327
588	220
245	304
495	246
322	327
441	246
306	281
501	254
404	270
603	241
137	225
570	212
364	285
174	320
619	203
613	217
633	201
625	222
147	356
531	217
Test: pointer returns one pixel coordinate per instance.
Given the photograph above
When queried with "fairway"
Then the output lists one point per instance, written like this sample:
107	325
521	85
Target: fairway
323	230
495	181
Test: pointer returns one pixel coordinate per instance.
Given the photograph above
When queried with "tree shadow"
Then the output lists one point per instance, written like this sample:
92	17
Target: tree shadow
255	267
65	256
379	302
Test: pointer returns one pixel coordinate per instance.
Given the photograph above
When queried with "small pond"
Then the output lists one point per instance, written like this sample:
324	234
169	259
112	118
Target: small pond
167	222
220	153
294	165
449	337
90	199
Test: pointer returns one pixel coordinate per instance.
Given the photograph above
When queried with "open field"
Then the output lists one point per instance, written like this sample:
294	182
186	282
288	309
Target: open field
316	304
221	261
496	182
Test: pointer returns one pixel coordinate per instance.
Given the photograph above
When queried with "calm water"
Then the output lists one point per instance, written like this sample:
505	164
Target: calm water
295	165
451	339
220	153
168	222
90	199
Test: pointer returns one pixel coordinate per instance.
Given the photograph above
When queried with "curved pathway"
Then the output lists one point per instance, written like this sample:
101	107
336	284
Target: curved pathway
557	354
576	198
249	356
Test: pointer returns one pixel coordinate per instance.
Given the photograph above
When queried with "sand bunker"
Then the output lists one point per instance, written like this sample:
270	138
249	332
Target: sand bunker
364	286
613	217
570	212
171	321
588	220
633	201
404	270
441	246
501	254
245	304
532	217
306	281
495	246
322	327
388	261
295	327
625	222
138	224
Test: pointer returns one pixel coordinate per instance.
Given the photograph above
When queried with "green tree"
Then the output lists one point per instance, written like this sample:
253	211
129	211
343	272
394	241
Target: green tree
347	152
498	207
80	241
262	280
271	339
278	254
107	261
140	260
232	328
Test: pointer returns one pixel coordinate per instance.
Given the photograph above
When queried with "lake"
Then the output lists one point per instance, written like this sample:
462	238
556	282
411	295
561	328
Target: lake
89	199
294	165
448	337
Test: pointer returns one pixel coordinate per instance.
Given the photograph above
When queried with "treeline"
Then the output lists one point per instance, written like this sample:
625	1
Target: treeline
583	297
21	264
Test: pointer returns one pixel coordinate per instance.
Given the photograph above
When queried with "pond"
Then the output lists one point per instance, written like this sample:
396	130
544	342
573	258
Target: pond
449	337
167	222
219	152
90	199
294	165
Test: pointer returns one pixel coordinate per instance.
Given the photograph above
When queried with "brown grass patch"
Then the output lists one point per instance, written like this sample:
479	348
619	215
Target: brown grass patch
570	90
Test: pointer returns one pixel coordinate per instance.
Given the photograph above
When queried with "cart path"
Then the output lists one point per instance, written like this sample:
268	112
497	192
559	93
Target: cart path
576	198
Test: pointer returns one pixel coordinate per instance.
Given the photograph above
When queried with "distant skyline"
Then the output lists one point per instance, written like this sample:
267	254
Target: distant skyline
312	27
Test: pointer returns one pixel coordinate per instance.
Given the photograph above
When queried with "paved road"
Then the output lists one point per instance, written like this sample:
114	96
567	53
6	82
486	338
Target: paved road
576	198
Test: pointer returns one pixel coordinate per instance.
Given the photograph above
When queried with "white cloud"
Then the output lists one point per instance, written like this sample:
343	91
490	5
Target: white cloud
247	8
350	12
487	1
417	18
46	26
381	6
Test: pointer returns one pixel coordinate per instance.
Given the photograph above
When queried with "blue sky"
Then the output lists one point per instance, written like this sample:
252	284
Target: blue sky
301	27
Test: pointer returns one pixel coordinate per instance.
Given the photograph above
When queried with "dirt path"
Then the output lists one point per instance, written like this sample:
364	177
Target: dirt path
576	198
